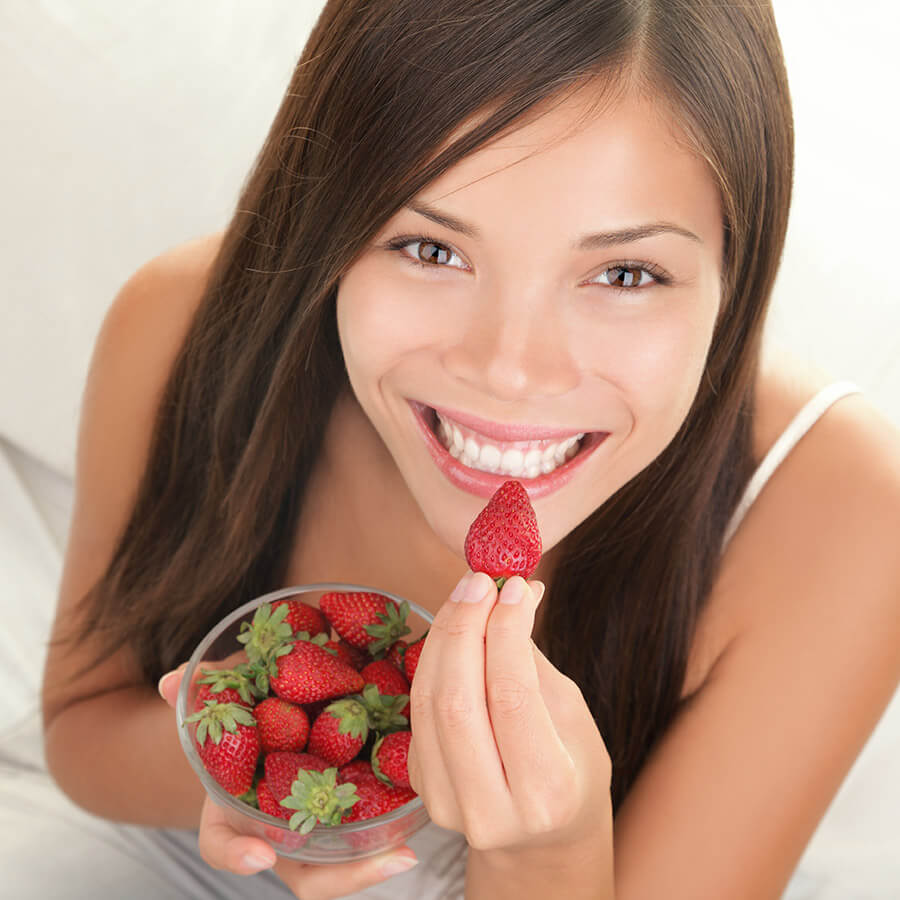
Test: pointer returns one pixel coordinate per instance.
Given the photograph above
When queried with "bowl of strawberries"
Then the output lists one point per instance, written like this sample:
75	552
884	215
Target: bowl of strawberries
294	713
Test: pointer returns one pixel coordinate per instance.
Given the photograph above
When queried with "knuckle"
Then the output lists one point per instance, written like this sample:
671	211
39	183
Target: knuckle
502	629
451	624
454	707
442	814
209	855
421	702
479	836
507	695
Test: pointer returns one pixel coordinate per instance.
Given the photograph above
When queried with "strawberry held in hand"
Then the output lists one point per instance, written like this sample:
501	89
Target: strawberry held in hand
504	539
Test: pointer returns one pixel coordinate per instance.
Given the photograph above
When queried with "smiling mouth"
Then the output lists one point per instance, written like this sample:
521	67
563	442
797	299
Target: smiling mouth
526	459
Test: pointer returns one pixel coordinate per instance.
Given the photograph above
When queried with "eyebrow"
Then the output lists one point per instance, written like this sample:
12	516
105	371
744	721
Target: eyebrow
586	242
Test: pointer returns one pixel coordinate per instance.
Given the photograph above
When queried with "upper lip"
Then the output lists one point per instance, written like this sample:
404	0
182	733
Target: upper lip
508	432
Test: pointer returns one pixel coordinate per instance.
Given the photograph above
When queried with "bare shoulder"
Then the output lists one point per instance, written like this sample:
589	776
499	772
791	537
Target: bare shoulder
803	630
138	341
833	502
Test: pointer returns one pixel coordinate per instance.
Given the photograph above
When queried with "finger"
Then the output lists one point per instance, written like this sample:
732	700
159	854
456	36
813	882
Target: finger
329	882
571	715
223	848
169	683
428	773
460	705
526	737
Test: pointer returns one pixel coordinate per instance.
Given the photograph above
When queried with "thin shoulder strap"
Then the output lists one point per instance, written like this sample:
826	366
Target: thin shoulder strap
800	424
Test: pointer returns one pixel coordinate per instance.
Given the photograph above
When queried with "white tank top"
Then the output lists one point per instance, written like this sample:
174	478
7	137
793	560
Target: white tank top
440	874
799	425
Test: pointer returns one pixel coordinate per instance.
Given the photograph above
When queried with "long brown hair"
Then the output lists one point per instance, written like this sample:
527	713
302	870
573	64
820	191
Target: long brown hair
367	122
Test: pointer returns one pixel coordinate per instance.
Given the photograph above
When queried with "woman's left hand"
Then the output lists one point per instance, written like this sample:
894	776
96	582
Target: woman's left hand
504	749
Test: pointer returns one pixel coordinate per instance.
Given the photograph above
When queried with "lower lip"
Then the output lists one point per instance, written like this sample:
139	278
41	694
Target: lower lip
484	484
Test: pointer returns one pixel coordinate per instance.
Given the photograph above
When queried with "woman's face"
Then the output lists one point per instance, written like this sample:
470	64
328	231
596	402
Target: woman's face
553	296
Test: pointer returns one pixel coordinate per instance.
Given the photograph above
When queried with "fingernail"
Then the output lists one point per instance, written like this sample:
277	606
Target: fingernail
513	591
476	589
256	863
460	588
538	588
397	864
162	681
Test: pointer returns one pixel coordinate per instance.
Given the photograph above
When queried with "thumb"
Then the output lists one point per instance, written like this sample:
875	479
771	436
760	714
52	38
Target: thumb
170	682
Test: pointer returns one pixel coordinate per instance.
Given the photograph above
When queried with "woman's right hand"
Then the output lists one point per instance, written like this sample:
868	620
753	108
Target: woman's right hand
224	848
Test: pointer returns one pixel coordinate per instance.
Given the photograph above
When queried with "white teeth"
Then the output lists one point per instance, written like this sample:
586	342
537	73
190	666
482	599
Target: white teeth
527	459
511	463
489	458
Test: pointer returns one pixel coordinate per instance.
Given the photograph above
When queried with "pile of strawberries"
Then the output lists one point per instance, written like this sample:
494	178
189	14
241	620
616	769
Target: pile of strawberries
316	731
310	729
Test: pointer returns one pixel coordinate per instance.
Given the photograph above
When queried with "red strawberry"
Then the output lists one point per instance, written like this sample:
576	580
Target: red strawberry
303	617
354	772
350	655
282	725
309	673
388	679
281	770
340	731
268	803
504	539
411	658
389	758
376	799
395	654
228	743
226	686
366	620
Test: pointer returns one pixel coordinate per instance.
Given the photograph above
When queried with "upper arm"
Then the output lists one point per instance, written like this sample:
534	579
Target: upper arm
733	792
133	355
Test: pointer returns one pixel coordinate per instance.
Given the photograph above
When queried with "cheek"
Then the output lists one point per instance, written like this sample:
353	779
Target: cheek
655	362
378	324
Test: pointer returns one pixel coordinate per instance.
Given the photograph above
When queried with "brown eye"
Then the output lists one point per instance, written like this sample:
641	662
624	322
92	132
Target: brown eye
627	277
622	276
434	254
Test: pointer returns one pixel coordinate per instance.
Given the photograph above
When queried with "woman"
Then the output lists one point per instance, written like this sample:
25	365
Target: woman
547	224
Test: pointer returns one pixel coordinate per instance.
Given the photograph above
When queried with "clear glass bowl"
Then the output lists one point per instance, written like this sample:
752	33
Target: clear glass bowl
324	844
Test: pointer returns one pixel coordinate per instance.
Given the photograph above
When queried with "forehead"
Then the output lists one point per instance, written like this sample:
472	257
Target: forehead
617	162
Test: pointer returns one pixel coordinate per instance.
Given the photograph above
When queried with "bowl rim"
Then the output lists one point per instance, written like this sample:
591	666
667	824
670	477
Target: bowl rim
216	792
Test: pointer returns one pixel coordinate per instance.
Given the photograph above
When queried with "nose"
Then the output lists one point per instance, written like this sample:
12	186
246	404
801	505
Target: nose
514	346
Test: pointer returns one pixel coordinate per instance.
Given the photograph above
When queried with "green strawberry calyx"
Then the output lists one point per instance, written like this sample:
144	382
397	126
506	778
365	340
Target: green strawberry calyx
393	626
216	718
240	679
318	798
376	768
353	716
383	709
267	634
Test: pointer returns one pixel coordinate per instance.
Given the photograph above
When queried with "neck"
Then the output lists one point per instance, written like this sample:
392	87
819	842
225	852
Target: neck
360	524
